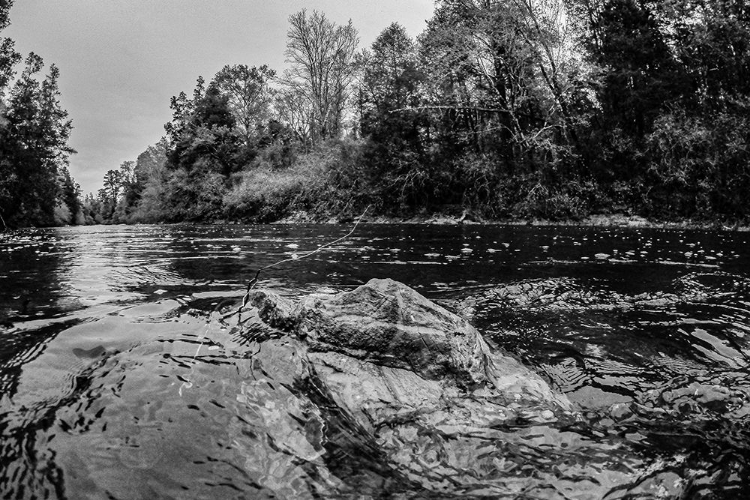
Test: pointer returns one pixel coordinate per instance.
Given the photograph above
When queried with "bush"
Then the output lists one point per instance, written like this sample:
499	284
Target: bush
321	182
699	166
554	203
62	215
193	196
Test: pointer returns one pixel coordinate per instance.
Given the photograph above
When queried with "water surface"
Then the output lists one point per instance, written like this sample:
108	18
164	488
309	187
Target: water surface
120	379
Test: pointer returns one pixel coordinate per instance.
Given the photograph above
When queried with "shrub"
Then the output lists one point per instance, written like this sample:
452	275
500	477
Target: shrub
321	182
699	166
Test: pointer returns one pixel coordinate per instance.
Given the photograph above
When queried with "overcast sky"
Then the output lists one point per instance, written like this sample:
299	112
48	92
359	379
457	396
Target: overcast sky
122	60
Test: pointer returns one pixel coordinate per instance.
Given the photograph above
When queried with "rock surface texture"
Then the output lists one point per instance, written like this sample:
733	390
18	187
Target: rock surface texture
420	379
384	337
390	326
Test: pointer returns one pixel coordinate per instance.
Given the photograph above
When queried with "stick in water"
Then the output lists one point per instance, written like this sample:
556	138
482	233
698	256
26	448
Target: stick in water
254	281
187	384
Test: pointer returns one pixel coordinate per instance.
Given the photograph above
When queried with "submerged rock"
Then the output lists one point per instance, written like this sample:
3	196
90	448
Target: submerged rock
390	325
420	381
393	384
383	349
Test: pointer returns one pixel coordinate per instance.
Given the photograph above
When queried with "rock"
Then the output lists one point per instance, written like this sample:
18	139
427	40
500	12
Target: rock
390	324
274	310
407	378
384	332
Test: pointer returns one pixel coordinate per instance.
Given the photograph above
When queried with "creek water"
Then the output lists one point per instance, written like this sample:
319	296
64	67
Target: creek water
120	379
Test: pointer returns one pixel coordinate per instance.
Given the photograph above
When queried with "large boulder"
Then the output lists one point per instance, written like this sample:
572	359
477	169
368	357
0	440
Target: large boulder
384	344
418	380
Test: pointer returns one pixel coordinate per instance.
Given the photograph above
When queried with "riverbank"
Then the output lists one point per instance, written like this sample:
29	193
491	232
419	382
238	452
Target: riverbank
597	220
450	217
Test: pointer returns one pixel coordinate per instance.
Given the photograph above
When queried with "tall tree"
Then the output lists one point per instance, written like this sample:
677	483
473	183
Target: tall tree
711	40
112	185
70	196
150	163
203	133
5	6
35	140
250	98
391	75
152	176
9	58
482	78
642	76
322	70
390	95
34	133
552	36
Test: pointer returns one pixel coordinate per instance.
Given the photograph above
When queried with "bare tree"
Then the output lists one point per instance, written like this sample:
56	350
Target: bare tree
550	35
322	56
293	108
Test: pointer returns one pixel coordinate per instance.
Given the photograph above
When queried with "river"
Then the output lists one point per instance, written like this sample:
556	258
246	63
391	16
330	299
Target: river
119	378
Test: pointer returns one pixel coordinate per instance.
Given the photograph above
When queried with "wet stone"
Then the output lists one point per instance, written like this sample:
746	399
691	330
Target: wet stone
419	378
390	325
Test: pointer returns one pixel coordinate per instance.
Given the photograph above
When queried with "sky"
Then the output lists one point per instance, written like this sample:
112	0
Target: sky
122	60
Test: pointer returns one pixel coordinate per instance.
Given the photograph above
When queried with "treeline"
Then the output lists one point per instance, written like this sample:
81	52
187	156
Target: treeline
36	188
514	108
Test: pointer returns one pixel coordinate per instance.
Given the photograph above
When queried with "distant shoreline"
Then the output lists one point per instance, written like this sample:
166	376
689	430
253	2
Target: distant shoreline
601	220
442	219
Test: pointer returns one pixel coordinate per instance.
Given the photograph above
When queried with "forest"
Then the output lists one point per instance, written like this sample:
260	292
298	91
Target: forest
504	109
36	188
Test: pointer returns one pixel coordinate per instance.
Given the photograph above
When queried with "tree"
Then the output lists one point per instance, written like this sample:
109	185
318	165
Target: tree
8	60
203	132
35	143
322	55
111	191
152	176
129	191
8	56
697	152
391	77
642	76
5	6
483	87
293	108
711	40
551	34
250	98
390	94
70	196
151	162
34	132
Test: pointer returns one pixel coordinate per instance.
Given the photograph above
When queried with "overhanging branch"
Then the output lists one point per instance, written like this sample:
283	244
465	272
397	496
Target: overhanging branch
469	108
462	108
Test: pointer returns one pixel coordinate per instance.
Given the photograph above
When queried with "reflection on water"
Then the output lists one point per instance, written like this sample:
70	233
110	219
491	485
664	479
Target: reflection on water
121	375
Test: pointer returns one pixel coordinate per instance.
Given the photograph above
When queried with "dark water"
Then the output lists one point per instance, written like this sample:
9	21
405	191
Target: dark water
119	379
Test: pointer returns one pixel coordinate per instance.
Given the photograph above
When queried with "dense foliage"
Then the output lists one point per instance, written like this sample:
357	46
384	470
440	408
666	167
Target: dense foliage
35	185
507	108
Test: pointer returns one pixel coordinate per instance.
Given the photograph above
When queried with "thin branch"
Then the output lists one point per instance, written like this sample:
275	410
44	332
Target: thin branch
254	281
471	108
468	108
